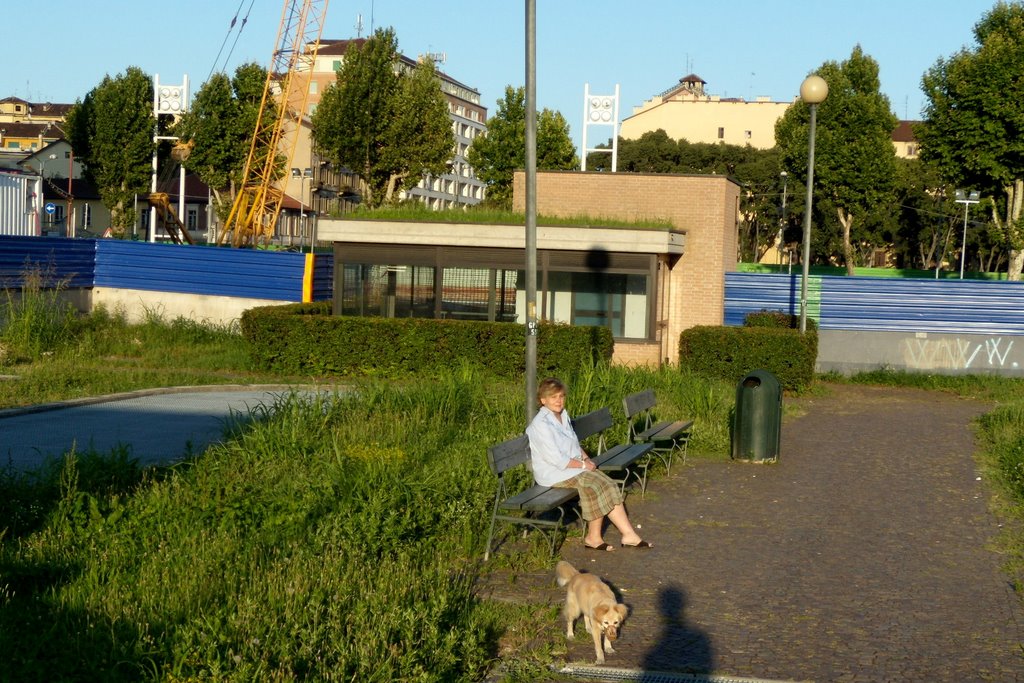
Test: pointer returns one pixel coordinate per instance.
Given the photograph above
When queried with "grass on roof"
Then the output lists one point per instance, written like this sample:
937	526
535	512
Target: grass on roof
418	212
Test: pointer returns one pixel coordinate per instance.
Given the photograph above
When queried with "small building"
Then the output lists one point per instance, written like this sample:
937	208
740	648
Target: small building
645	284
20	203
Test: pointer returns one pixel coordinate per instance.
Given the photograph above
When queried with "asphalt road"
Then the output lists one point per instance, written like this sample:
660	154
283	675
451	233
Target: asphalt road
159	426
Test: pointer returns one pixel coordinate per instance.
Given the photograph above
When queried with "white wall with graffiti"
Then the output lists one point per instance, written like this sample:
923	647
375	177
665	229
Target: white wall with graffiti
924	325
848	352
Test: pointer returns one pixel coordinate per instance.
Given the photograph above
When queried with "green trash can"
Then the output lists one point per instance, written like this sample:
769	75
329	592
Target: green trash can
757	419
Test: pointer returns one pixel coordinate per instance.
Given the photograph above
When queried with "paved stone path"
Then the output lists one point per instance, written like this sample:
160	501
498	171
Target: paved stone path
864	554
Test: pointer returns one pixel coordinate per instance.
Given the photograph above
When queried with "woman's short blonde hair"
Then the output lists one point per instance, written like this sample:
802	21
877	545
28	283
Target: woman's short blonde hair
550	387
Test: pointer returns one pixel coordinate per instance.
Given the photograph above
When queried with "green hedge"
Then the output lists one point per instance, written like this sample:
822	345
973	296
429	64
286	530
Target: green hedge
729	353
307	339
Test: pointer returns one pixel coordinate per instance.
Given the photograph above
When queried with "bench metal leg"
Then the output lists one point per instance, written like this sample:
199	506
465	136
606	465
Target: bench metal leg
549	529
490	534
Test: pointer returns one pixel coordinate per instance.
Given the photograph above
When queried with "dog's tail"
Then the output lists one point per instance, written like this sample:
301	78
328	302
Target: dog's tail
563	572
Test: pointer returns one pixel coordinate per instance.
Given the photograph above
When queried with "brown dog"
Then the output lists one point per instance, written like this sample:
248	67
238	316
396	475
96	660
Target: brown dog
588	595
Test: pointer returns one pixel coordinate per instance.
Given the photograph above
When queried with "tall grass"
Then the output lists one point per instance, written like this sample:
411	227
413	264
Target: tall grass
336	537
34	319
334	540
415	211
680	395
102	353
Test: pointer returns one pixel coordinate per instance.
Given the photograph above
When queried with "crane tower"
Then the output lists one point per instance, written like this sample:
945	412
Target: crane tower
257	204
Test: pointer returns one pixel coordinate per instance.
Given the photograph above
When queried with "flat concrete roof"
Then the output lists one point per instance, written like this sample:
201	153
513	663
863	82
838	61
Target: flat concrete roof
570	238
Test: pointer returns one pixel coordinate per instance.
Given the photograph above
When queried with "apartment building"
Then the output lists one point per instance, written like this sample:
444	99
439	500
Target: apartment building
460	185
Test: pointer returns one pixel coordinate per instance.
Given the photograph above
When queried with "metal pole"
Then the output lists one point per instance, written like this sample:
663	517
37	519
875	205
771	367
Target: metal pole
782	218
156	141
531	209
807	220
963	249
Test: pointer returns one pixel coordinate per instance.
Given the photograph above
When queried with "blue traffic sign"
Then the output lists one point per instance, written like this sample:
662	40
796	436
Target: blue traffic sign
49	208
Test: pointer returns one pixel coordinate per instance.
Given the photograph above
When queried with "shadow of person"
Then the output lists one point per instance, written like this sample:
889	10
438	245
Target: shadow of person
680	646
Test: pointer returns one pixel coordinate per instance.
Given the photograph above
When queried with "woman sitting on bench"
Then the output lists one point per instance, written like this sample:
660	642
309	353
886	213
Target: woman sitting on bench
559	461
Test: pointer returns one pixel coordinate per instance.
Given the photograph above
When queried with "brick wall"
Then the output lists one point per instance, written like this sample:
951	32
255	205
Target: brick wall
702	206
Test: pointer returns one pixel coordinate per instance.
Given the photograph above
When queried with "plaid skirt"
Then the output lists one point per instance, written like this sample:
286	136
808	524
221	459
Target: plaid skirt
598	493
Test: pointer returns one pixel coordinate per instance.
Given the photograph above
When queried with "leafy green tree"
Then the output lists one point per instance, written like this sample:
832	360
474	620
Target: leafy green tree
219	127
652	152
502	150
111	131
420	138
388	125
855	162
974	117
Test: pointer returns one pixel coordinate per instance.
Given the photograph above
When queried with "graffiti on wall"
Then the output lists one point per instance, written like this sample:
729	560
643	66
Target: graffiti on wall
959	353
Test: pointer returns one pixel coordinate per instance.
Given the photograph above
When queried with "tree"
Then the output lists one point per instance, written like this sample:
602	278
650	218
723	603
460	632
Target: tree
653	152
220	126
111	131
498	153
388	125
420	138
855	162
973	121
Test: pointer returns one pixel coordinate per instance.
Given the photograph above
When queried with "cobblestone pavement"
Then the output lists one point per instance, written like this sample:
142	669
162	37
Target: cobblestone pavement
864	554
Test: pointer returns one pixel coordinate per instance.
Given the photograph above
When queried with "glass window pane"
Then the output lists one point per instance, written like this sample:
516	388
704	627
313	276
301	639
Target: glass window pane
479	294
389	291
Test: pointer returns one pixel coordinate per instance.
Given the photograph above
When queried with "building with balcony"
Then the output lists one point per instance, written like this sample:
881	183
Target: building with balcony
460	185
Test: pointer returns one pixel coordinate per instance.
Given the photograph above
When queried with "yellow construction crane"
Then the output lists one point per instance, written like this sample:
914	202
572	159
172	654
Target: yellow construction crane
285	94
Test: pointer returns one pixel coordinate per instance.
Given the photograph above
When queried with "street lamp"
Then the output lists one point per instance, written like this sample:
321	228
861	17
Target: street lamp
302	174
813	91
782	217
965	198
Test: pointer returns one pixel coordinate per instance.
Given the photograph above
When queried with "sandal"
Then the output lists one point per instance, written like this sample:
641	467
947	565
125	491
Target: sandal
642	545
605	547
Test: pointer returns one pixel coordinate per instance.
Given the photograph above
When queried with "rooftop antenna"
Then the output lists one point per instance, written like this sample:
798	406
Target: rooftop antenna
359	26
371	16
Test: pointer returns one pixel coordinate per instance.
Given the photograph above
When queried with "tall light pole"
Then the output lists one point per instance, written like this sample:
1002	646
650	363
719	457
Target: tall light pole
782	217
531	209
965	198
813	91
302	174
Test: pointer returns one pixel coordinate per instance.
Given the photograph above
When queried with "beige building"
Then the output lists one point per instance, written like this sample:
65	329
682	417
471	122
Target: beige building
685	112
904	141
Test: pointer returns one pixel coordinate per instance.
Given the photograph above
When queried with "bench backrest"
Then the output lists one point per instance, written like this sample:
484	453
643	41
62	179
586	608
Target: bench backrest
592	423
508	454
638	402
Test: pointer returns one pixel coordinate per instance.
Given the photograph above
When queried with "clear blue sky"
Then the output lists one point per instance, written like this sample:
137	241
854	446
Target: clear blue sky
57	50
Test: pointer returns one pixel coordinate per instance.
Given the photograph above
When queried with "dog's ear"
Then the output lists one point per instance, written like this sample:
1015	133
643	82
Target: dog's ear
622	610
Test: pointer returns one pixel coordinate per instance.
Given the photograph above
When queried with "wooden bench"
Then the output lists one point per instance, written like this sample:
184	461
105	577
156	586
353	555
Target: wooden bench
629	459
531	503
668	437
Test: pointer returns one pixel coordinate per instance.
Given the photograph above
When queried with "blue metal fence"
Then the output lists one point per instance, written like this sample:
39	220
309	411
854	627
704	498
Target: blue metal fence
57	260
244	273
883	304
217	271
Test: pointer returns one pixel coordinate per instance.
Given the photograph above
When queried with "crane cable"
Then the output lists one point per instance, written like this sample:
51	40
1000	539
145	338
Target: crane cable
231	28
